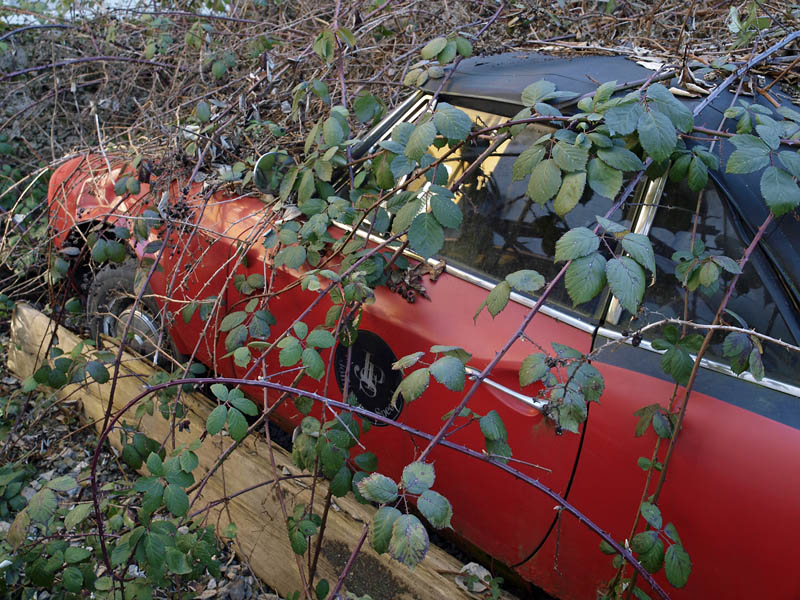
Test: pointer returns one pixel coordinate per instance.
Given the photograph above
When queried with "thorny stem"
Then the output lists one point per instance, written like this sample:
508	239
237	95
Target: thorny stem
350	561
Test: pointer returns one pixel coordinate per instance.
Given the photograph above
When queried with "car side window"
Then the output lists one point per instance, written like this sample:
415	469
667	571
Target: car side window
503	230
753	304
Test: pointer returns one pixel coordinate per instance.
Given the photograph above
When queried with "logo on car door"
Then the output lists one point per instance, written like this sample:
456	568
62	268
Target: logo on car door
371	378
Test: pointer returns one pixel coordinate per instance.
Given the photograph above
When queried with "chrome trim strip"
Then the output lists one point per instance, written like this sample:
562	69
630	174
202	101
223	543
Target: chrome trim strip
539	405
712	365
644	221
486	284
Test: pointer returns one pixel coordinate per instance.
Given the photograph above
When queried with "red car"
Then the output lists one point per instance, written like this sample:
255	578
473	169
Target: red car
733	489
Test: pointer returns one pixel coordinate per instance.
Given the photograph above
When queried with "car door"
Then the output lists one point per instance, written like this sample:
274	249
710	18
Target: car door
732	490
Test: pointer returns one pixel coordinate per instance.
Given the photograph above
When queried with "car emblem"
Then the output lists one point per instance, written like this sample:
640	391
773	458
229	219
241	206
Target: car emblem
372	379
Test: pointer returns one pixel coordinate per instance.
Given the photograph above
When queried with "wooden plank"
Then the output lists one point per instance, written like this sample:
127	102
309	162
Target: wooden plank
262	537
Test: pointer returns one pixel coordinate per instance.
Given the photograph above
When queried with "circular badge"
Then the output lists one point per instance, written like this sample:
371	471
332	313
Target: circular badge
372	379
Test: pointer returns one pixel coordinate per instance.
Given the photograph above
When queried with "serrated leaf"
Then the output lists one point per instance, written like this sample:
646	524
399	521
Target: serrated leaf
407	361
405	215
321	338
697	174
450	372
620	158
76	554
570	193
98	371
292	257
609	226
780	191
378	488
585	277
626	278
409	542
414	384
540	91
533	368
176	500
433	48
545	181
453	123
640	249
236	338
497	299
791	160
656	135
420	140
73	579
651	514
677	565
751	155
570	157
216	420
492	426
77	515
604	180
525	280
425	236
418	477
237	425
243	404
332	131
435	508
241	356
42	506
340	483
381	531
446	212
576	243
366	461
527	161
677	112
315	366
62	484
624	118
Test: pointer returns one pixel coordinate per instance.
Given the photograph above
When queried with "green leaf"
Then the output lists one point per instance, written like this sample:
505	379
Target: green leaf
420	140
236	338
293	257
698	174
75	554
570	157
154	464
218	69
409	542
539	91
418	477
545	181
620	158
291	353
414	384
340	483
77	515
525	280
315	367
62	484
378	488
653	558
677	565
451	122
677	112
604	180
780	191
791	160
176	500
576	243
640	249
332	131
98	371
627	281
492	426
450	372
189	461
435	508
751	155
656	135
42	506
585	277
425	236
446	212
651	514
216	419
407	361
464	47
533	368
237	425
241	357
570	193
320	338
244	405
405	215
176	562
73	579
381	531
366	461
623	119
527	161
433	48
203	111
496	300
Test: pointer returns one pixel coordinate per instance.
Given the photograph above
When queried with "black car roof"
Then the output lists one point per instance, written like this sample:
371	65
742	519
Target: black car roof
503	78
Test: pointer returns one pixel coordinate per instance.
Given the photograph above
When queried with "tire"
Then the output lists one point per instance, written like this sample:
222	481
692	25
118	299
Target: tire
109	307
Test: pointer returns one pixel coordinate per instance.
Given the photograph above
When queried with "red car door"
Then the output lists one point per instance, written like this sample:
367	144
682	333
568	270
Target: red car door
732	488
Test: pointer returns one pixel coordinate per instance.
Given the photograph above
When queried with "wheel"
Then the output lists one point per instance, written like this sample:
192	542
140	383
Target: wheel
111	305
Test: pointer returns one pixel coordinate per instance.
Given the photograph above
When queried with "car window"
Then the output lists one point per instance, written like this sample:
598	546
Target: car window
753	303
503	230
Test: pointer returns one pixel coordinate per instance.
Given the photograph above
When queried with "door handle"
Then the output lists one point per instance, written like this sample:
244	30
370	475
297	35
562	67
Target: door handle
539	405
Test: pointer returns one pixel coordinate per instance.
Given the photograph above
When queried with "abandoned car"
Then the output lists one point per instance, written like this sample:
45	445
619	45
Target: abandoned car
732	490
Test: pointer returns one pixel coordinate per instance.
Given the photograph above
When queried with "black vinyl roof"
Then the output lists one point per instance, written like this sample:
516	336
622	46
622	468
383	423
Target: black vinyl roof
502	78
